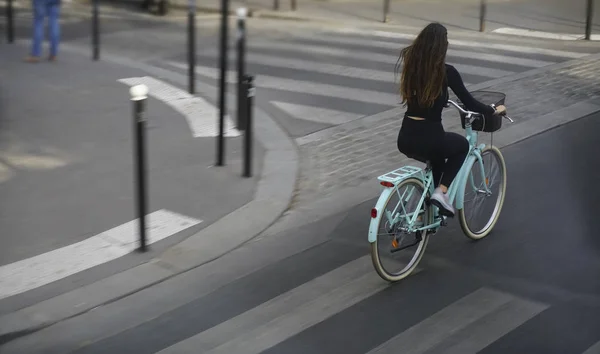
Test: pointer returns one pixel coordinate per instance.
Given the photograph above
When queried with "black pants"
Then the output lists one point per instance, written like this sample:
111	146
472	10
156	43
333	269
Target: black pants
424	140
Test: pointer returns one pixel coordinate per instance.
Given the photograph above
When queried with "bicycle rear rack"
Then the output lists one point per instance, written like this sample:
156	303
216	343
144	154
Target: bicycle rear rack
400	174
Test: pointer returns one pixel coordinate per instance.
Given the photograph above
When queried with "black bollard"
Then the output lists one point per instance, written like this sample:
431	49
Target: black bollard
241	70
139	94
192	46
386	10
95	31
294	5
222	83
589	19
482	13
275	5
249	88
10	22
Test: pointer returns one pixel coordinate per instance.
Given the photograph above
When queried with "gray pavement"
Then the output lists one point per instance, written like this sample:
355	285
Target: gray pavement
529	287
67	165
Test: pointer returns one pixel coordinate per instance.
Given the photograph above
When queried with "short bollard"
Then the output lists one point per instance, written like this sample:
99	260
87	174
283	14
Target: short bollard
275	5
139	94
482	13
192	47
95	31
386	10
241	57
10	22
589	19
249	87
294	6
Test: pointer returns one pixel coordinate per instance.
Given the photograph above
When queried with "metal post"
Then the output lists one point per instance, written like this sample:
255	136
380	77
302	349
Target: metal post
589	19
386	10
192	46
294	5
241	70
222	83
249	86
275	5
482	13
139	94
10	31
95	31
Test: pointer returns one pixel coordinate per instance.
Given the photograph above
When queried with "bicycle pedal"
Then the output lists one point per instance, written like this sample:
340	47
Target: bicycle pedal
444	221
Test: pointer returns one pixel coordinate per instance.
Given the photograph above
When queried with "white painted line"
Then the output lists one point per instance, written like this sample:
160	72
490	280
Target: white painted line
546	35
388	59
276	308
201	116
594	349
431	331
321	67
277	83
31	273
316	114
288	314
489	328
489	45
505	59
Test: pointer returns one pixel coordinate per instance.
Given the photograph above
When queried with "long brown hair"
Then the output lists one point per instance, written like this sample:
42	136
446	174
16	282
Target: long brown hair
424	69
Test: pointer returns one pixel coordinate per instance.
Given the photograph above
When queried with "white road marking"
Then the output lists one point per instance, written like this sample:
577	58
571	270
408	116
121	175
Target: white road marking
31	273
277	83
489	45
594	349
388	59
287	314
201	116
505	59
432	331
546	35
316	114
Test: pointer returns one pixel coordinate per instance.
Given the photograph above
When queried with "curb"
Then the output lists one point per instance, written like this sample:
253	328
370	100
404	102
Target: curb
273	196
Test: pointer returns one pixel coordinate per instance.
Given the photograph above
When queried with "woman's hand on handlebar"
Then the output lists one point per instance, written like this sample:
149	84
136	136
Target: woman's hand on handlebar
500	110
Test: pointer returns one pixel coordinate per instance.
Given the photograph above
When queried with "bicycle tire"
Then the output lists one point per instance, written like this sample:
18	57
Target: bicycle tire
477	235
375	255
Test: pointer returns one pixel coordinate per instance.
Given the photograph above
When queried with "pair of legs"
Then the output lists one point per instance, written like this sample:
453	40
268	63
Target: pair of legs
426	140
41	10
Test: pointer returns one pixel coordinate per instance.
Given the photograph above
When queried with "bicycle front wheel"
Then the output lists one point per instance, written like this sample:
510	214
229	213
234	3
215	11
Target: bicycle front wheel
484	194
396	252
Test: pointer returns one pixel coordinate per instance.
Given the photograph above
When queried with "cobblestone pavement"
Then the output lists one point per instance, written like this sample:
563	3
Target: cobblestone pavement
350	154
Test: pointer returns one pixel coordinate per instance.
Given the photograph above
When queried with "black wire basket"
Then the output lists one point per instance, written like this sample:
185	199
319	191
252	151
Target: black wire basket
487	123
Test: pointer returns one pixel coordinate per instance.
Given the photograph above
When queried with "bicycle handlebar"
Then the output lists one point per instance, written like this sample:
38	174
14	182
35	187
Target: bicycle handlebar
470	113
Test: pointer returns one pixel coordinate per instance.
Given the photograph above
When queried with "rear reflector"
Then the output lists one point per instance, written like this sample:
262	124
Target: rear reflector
386	184
373	213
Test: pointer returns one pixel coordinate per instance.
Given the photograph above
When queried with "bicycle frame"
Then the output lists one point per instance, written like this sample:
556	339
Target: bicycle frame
456	190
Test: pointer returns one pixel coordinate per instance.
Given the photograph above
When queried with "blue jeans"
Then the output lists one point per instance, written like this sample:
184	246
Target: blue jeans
41	9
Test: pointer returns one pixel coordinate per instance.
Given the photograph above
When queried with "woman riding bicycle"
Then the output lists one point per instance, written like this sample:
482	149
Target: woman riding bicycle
424	88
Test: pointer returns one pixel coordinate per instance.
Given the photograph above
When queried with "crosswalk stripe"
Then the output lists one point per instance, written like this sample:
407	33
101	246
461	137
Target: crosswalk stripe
314	66
30	273
594	349
489	328
476	44
373	57
202	117
505	59
277	83
316	114
288	314
433	330
275	309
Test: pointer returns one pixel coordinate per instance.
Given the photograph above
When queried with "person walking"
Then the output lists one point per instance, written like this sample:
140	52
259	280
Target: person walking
41	10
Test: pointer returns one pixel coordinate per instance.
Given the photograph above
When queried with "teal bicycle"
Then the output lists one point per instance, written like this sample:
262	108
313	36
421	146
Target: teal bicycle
403	217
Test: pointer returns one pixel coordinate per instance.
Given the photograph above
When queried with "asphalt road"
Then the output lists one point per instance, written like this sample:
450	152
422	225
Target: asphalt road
530	287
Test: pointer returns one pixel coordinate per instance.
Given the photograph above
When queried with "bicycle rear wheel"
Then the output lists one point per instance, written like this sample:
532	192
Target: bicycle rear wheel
396	253
477	201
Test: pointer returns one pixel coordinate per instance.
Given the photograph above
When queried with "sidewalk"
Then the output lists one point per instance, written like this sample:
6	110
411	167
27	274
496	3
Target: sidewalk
67	185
